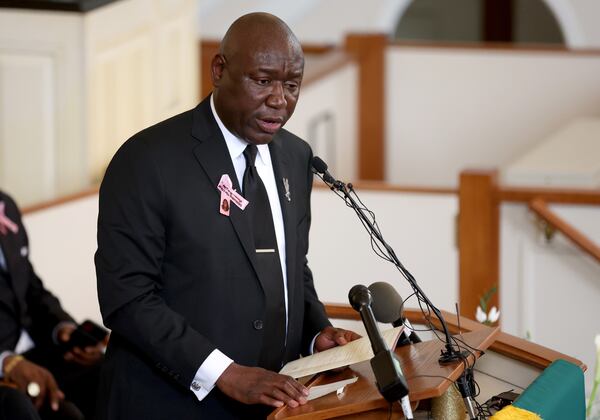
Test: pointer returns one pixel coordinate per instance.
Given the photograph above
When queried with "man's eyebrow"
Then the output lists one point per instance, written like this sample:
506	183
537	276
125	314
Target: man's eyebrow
275	69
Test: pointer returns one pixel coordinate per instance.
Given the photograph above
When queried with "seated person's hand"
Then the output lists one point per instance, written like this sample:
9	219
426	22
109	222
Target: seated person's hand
332	337
84	356
254	385
26	374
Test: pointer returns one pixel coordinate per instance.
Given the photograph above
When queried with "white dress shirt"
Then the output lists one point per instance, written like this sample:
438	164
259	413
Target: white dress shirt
215	364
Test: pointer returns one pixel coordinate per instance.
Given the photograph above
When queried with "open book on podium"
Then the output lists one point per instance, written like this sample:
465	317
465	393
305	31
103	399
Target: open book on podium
426	378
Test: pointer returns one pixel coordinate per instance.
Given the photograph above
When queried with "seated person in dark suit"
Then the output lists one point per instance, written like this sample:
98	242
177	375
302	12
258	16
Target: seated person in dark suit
14	404
33	329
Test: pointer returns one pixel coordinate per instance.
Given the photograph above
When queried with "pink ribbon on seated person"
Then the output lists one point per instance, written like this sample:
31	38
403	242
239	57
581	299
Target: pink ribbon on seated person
5	223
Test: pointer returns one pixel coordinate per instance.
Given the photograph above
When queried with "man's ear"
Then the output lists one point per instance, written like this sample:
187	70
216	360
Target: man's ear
217	67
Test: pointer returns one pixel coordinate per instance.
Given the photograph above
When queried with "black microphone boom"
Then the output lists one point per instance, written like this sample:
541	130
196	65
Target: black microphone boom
450	354
386	367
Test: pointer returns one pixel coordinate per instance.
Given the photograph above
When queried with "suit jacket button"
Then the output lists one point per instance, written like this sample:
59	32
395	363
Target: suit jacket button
258	324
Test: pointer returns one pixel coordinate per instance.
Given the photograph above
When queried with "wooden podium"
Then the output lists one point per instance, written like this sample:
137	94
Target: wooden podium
425	376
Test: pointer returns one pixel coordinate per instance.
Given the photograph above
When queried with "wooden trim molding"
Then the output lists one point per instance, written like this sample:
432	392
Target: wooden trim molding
478	239
551	195
329	63
369	50
539	207
499	47
61	200
380	186
509	345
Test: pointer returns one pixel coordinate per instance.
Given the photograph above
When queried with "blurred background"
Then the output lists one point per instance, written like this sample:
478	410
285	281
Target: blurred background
471	128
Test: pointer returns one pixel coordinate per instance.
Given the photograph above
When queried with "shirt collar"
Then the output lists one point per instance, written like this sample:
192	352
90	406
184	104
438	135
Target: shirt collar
236	145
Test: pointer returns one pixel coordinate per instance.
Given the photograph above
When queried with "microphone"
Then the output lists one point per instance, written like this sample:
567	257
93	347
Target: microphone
386	367
361	299
388	309
320	167
452	352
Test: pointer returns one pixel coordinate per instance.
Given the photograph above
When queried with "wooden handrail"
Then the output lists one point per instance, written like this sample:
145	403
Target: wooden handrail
514	347
553	195
61	200
386	187
540	207
497	46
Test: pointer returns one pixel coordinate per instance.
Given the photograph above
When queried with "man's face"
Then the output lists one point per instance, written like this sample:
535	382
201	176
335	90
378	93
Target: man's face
257	89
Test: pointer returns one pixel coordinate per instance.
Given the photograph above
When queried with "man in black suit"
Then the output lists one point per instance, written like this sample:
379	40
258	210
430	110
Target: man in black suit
33	325
203	312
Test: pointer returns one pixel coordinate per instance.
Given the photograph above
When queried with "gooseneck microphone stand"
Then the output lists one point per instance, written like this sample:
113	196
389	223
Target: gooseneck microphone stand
450	354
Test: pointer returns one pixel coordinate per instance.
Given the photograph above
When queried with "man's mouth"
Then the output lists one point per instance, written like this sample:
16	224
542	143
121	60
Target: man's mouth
270	125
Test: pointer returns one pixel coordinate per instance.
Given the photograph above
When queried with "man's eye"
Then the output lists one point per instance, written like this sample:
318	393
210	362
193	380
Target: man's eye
291	85
263	82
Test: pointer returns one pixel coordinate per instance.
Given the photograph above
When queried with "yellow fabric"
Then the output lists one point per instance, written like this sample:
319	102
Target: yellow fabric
511	412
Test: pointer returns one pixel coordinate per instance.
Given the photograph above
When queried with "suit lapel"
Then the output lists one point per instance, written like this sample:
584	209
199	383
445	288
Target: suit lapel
213	155
285	188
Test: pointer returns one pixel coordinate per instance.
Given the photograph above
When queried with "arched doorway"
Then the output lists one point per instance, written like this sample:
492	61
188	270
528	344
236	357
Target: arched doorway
511	21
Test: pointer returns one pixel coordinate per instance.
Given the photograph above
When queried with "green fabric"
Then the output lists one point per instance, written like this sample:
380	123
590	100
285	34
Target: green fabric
557	394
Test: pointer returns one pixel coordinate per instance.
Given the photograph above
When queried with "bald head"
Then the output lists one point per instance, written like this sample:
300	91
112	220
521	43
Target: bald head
256	76
255	28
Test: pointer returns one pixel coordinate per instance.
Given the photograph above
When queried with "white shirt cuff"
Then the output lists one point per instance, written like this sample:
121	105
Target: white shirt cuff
311	349
207	374
58	327
3	356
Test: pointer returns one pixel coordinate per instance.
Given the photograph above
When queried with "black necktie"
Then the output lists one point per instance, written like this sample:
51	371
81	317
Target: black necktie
268	263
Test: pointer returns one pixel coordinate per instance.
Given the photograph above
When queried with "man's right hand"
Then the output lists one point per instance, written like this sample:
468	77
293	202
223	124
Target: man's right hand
26	372
254	385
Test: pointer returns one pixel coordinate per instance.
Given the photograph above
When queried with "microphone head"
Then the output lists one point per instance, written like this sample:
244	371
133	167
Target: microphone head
360	296
387	303
319	165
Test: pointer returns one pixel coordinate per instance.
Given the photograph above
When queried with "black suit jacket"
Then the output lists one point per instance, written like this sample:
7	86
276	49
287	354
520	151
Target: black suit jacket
177	279
26	304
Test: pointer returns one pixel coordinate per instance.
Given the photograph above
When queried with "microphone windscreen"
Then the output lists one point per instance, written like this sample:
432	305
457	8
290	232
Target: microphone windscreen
319	165
387	303
359	296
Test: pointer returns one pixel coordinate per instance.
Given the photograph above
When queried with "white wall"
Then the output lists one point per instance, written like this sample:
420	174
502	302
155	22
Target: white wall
550	290
448	109
75	86
334	97
419	227
62	242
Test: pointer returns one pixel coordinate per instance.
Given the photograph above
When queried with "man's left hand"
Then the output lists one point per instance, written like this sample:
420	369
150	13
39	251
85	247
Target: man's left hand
86	356
332	337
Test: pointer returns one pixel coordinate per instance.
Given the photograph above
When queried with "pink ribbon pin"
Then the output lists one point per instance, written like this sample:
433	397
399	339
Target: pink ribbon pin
228	195
6	223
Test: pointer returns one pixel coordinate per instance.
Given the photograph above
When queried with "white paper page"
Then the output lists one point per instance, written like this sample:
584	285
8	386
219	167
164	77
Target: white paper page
354	352
318	391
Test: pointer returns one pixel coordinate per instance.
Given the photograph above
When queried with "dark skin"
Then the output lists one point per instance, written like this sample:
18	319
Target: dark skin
256	78
25	372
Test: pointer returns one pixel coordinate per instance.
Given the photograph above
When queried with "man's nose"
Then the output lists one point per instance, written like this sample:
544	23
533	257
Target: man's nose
276	97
